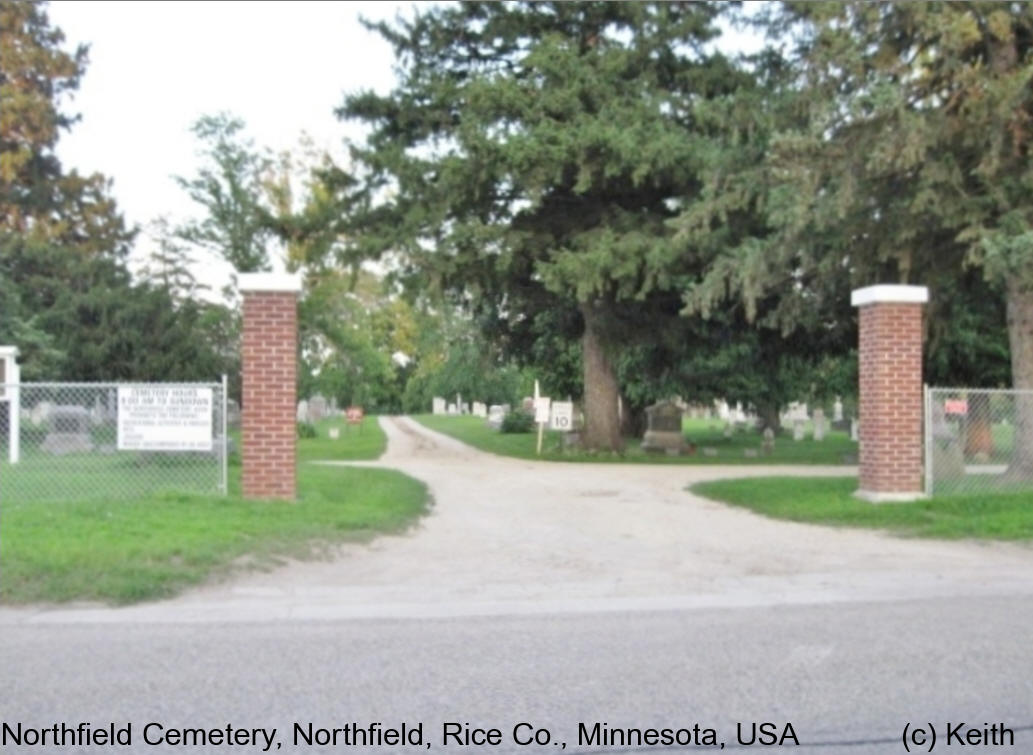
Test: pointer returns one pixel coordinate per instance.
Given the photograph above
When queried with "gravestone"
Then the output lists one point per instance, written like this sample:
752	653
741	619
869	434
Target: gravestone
722	409
798	429
750	453
68	432
464	408
819	424
232	413
797	412
317	407
663	428
855	431
452	409
41	413
439	406
837	410
496	414
480	409
334	433
768	446
302	415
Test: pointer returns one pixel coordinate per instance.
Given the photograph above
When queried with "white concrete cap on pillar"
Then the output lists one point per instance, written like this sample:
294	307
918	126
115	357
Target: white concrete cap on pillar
889	293
8	352
271	282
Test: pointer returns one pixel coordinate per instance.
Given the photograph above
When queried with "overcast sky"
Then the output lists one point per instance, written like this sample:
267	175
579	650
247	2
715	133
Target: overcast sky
155	67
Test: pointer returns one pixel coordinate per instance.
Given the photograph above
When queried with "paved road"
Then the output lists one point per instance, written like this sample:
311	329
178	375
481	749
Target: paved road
558	595
848	677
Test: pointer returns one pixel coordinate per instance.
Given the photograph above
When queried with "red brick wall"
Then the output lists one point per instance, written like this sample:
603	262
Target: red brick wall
269	396
891	398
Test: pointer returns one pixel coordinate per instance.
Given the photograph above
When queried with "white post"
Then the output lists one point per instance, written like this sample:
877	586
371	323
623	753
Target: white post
12	378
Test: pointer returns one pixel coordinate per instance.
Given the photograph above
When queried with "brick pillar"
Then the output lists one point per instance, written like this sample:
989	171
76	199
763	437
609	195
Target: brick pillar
891	400
269	365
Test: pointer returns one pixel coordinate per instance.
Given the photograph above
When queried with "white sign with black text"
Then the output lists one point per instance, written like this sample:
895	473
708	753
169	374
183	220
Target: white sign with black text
562	416
164	418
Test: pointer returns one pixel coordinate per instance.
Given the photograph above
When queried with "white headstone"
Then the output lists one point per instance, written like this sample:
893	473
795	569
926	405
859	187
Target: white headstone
452	409
495	415
837	410
797	412
722	409
798	429
334	433
317	407
464	408
302	411
439	406
480	409
855	430
819	424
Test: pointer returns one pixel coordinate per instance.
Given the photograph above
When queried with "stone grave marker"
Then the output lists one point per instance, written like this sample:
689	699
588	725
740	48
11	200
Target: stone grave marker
317	408
819	424
663	428
438	405
798	429
495	415
837	410
855	431
480	409
302	415
334	433
452	409
232	413
68	431
768	446
750	453
464	408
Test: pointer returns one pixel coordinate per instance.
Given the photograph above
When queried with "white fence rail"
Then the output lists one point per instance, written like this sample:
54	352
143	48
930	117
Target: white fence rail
978	441
73	441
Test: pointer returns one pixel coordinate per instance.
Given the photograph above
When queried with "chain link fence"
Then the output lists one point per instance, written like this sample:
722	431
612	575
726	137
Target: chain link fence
78	441
978	441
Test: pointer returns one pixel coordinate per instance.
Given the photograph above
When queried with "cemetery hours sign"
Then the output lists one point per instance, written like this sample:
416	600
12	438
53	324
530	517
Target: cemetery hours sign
164	418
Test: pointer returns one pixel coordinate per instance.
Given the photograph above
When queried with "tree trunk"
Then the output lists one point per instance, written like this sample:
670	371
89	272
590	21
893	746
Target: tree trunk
602	426
771	417
979	439
1020	339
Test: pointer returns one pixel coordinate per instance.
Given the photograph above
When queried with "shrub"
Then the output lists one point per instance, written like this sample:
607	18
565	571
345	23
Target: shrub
307	430
517	421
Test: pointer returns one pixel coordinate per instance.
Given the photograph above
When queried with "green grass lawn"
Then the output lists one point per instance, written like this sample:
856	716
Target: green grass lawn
357	442
121	551
836	448
823	500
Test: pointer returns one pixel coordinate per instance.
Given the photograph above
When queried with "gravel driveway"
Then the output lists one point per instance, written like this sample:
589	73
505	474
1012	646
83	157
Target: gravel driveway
510	536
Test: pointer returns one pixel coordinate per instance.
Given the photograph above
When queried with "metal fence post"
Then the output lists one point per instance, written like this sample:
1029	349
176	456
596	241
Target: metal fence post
225	435
927	427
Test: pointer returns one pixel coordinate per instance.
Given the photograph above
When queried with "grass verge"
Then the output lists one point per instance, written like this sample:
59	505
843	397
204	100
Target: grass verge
153	547
836	448
829	500
354	442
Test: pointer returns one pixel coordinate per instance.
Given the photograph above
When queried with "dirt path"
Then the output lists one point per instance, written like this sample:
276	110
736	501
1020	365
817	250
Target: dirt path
512	536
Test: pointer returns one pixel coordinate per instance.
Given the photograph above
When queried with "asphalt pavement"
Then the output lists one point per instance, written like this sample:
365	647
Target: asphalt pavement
847	678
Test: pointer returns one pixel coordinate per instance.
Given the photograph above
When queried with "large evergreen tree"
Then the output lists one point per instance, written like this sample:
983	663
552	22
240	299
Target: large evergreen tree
531	156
